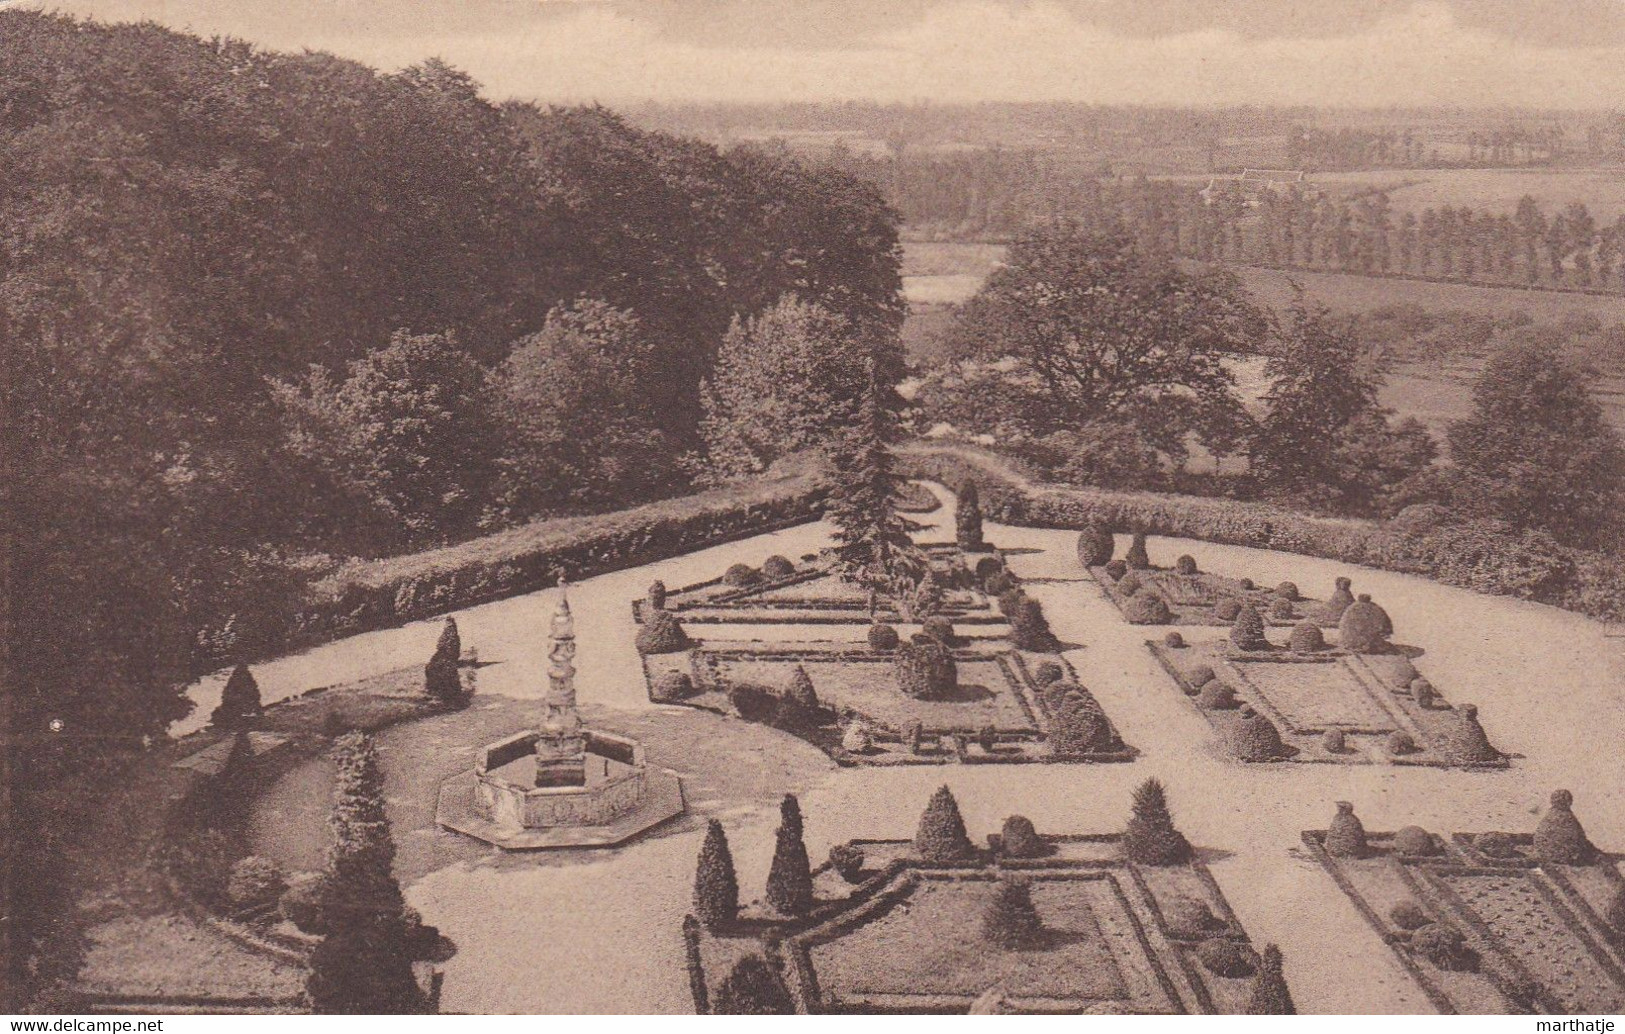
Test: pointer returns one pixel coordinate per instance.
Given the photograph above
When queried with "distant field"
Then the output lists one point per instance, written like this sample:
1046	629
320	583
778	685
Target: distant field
937	274
1494	190
1349	293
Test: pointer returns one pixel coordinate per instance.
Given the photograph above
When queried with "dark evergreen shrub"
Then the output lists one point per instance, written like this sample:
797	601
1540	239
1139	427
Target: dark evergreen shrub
1415	841
1079	727
239	700
1269	995
1217	696
1199	675
941	835
1150	837
1401	743
1185	565
672	686
1444	946
442	682
1224	957
925	669
776	567
1129	584
1191	918
968	519
1147	609
1402	674
1174	641
1288	591
847	861
361	882
1408	915
1345	837
1018	838
364	967
450	643
789	877
752	988
1029	629
255	881
1047	672
1306	638
986	567
1055	692
1559	837
741	576
1095	545
940	629
1335	741
657	595
716	886
1247	631
1281	610
662	633
1116	569
1227	608
1255	738
1011	921
1364	627
883	637
1137	558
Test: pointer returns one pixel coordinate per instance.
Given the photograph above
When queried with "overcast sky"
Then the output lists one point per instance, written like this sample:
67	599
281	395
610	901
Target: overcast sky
1541	53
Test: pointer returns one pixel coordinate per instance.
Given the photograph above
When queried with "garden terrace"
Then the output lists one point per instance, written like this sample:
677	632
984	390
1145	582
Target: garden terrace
905	938
1534	934
1367	698
854	683
1201	599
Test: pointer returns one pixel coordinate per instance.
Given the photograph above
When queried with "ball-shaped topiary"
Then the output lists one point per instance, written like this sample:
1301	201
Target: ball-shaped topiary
1288	591
1137	557
255	882
1150	837
1190	918
1414	841
776	567
1401	674
999	582
939	628
1147	609
1095	545
662	633
1247	585
1047	672
1408	915
1129	584
1199	675
1224	957
1282	610
883	637
925	668
940	836
1255	738
1185	565
672	686
1247	631
1174	641
1364	627
1401	743
1306	638
1116	569
1444	946
1018	838
1226	609
741	576
1011	921
1559	837
1345	837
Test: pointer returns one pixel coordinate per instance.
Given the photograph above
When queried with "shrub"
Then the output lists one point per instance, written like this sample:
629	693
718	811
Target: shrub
1116	569
1247	631
364	967
752	988
1217	696
441	681
1227	608
1335	741
1331	610
1247	585
1423	693
857	739
672	686
303	901
662	633
1306	638
800	690
255	881
1465	740
988	738
1281	610
1401	743
1185	565
1559	837
1137	558
1047	672
1269	995
1401	674
1129	584
657	595
1199	676
941	835
1444	946
776	567
1408	915
1150	837
1255	738
741	576
1174	641
716	886
1190	918
883	637
1224	957
1010	601
1364	627
1029	629
1011	921
847	861
940	629
239	700
1055	693
999	582
968	519
986	567
925	669
789	878
450	643
1496	845
1415	841
1345	837
1287	591
1095	546
1018	838
1078	726
1147	609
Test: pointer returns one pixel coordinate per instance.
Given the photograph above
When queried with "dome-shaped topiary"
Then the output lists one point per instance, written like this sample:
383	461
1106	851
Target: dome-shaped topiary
741	576
1147	609
752	988
671	686
1018	838
1116	569
925	668
883	637
1247	585
1465	740
1190	918
1227	608
986	567
1224	957
1129	584
776	567
1334	741
1174	641
1345	837
1331	609
1288	591
1079	727
1401	743
1408	915
1559	837
1185	565
1137	558
1199	675
1255	738
1282	610
1150	837
1217	696
662	633
940	836
1364	627
1011	921
1416	842
1401	674
1047	672
1095	545
1306	638
1247	631
1444	946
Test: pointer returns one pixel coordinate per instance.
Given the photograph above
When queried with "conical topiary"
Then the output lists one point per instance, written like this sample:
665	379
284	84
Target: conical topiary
1364	627
1345	837
1559	837
239	700
1095	546
450	643
968	519
752	988
441	680
1011	921
1466	742
1150	837
716	885
789	878
1137	558
1018	838
800	690
662	633
1331	610
1269	995
1255	738
1247	631
941	835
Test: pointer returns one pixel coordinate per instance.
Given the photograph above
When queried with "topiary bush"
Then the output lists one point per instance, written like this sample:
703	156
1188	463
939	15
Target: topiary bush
662	633
1174	641
1216	695
1056	692
1010	601
1129	584
1247	585
1306	638
1116	569
1408	915
450	643
1444	946
1247	631
800	689
856	738
752	988
1282	610
1029	628
1150	837
1400	743
999	582
1423	693
883	637
1018	838
741	576
941	629
776	567
441	681
1345	837
1190	918
1137	558
1185	565
1255	738
1147	609
968	519
1269	995
1095	545
925	669
1079	727
847	861
716	885
1227	608
1331	611
239	700
657	595
1199	675
1335	741
1224	957
1364	627
1288	591
1047	672
1465	740
1415	841
1559	837
789	877
940	836
672	686
255	881
1011	921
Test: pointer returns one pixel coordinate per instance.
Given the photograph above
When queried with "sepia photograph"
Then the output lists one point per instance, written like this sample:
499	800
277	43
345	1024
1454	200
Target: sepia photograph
796	507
